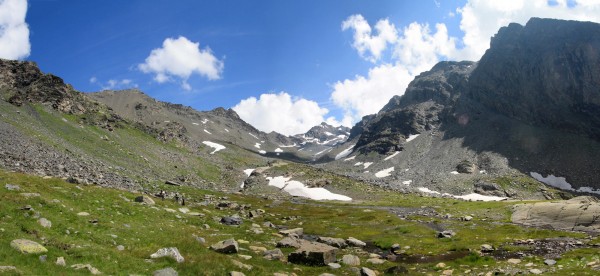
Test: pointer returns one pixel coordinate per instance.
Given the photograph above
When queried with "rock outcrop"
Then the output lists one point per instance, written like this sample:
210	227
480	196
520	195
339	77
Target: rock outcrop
578	214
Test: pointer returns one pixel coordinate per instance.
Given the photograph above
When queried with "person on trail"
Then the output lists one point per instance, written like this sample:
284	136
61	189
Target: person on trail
162	194
177	197
182	201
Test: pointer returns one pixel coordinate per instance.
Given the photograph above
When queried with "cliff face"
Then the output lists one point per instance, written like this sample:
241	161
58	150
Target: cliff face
546	73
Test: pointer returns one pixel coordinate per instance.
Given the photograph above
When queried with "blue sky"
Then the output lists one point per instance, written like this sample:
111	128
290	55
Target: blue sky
284	65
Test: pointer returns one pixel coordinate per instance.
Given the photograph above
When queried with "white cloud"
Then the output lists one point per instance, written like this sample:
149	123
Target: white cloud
280	113
417	47
114	84
180	58
370	46
14	32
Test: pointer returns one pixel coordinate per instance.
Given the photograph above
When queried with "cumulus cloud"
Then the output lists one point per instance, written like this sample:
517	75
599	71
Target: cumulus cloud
14	32
281	113
370	46
417	47
180	58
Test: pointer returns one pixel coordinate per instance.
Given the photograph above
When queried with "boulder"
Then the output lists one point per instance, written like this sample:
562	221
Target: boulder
274	254
396	270
351	260
296	232
576	214
61	261
486	248
169	271
355	242
488	188
367	272
89	267
229	246
236	273
144	199
466	167
27	246
45	222
314	254
446	234
12	187
291	242
335	242
172	252
231	220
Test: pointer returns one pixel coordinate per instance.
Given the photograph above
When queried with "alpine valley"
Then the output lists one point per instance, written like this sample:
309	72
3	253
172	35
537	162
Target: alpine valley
479	168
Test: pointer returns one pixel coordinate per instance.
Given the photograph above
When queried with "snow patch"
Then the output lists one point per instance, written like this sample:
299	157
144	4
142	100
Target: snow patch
329	133
411	137
384	173
204	121
454	172
247	172
278	150
391	156
257	145
469	197
262	152
407	182
207	131
367	164
253	136
196	124
358	163
551	180
288	146
296	188
350	158
226	130
213	145
344	153
325	150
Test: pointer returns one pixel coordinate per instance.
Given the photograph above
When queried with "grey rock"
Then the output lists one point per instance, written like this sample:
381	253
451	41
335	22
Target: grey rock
12	187
144	199
296	232
43	258
169	271
351	260
171	252
335	242
45	223
578	214
486	248
334	265
367	272
8	269
291	242
355	242
120	247
396	270
60	261
466	167
27	246
89	267
312	253
231	220
535	271
236	273
446	234
549	262
274	254
229	246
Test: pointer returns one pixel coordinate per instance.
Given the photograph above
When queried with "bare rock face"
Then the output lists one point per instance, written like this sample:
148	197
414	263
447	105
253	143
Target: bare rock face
578	214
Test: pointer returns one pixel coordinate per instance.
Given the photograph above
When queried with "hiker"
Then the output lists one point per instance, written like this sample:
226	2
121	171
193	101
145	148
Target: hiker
162	194
182	201
177	197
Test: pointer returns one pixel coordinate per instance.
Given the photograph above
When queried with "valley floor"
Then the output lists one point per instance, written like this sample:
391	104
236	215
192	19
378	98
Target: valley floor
95	229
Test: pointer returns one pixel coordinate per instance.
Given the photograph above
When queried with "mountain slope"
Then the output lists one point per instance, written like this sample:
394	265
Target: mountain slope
529	106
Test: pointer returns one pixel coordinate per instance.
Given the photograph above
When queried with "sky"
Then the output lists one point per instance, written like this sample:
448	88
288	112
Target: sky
283	66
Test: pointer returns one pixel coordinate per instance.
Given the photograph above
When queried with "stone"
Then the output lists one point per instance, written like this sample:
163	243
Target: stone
296	232
367	272
549	262
274	254
355	242
120	247
45	223
241	265
169	271
144	199
446	234
28	195
535	271
231	220
514	261
90	268
290	242
375	261
351	260
171	252
83	214
466	218
200	239
12	187
466	167
440	265
269	224
576	214
8	268
43	258
226	247
258	249
334	265
447	272
335	242
61	261
486	248
236	273
27	246
314	254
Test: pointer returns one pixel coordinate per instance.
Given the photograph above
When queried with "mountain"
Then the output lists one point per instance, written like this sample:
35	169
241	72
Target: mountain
529	107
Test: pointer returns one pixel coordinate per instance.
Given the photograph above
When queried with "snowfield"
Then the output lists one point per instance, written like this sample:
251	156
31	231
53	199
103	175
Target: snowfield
215	146
411	137
391	156
297	188
344	153
561	183
469	197
384	173
278	150
247	172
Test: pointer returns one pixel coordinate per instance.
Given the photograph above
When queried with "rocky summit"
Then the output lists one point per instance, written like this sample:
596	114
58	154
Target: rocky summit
479	168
